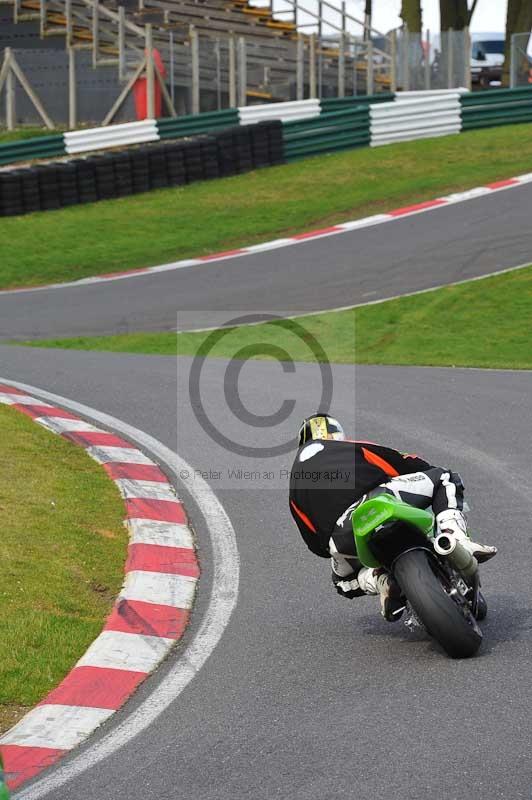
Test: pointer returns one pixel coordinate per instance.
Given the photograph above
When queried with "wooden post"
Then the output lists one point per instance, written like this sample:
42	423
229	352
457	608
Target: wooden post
218	57
166	97
42	20
393	60
6	66
124	93
121	43
404	60
150	73
450	58
300	68
72	95
427	60
341	65
369	65
320	68
29	91
242	72
467	58
172	66
68	17
513	63
312	65
194	56
355	74
10	100
95	31
320	46
232	72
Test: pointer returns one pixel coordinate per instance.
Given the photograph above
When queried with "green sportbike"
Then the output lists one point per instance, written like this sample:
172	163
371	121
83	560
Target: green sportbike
437	575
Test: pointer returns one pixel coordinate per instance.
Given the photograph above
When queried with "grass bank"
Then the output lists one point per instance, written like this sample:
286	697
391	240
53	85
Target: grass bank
482	323
62	553
202	218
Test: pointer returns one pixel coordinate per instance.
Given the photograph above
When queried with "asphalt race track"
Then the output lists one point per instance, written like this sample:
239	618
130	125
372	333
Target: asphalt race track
447	244
309	696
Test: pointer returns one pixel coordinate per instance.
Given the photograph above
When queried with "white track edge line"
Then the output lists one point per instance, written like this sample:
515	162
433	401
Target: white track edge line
222	601
362	305
451	199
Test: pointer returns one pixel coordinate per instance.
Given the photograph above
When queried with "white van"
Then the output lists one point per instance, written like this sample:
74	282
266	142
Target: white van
487	58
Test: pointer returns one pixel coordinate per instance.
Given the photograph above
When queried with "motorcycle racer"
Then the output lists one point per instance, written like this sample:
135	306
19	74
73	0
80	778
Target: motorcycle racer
331	476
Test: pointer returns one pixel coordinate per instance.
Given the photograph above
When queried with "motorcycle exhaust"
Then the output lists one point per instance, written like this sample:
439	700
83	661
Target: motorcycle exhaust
461	559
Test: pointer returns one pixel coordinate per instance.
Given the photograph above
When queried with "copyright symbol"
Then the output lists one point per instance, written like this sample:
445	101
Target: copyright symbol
231	383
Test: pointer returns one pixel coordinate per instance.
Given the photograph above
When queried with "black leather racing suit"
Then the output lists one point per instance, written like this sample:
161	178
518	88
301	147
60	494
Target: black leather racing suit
329	476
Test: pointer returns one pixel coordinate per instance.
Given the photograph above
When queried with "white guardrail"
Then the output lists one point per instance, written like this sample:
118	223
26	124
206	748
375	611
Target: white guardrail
287	112
112	136
410	115
415	117
426	93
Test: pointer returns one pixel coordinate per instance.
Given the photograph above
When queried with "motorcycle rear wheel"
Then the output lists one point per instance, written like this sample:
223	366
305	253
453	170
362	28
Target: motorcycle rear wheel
448	621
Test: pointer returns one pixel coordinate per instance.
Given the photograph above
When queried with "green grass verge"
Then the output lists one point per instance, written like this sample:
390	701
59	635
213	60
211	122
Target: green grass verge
205	217
24	133
62	555
482	323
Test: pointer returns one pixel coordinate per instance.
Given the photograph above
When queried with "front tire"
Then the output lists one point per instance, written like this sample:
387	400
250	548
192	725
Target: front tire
451	624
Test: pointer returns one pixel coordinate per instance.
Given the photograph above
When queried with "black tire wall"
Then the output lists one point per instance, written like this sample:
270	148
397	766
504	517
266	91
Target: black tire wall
141	169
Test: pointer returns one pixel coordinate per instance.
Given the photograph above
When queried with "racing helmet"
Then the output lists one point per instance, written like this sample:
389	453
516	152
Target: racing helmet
320	426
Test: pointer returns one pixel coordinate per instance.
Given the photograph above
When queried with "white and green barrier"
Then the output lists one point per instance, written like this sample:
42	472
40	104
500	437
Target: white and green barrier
84	141
415	118
310	127
496	107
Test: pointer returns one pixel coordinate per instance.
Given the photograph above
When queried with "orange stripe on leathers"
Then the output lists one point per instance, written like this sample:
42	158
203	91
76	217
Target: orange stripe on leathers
303	517
373	458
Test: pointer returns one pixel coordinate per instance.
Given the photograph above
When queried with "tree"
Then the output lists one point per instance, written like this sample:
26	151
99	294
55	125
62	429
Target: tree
518	20
456	14
411	15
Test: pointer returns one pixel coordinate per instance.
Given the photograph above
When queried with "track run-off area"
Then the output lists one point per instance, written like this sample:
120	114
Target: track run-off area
480	232
306	695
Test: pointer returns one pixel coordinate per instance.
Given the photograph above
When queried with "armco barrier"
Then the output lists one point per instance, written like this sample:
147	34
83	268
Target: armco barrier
496	107
330	104
392	118
110	175
112	136
338	130
29	149
177	127
432	94
131	133
415	119
299	109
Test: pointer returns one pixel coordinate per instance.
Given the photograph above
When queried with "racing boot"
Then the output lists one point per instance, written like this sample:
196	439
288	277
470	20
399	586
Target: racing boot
378	581
453	523
344	573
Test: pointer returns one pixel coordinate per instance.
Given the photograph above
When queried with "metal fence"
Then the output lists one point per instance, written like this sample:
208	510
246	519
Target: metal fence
520	60
425	61
47	71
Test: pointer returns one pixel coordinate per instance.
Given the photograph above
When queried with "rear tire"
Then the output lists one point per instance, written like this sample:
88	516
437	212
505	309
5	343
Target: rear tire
451	625
482	607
